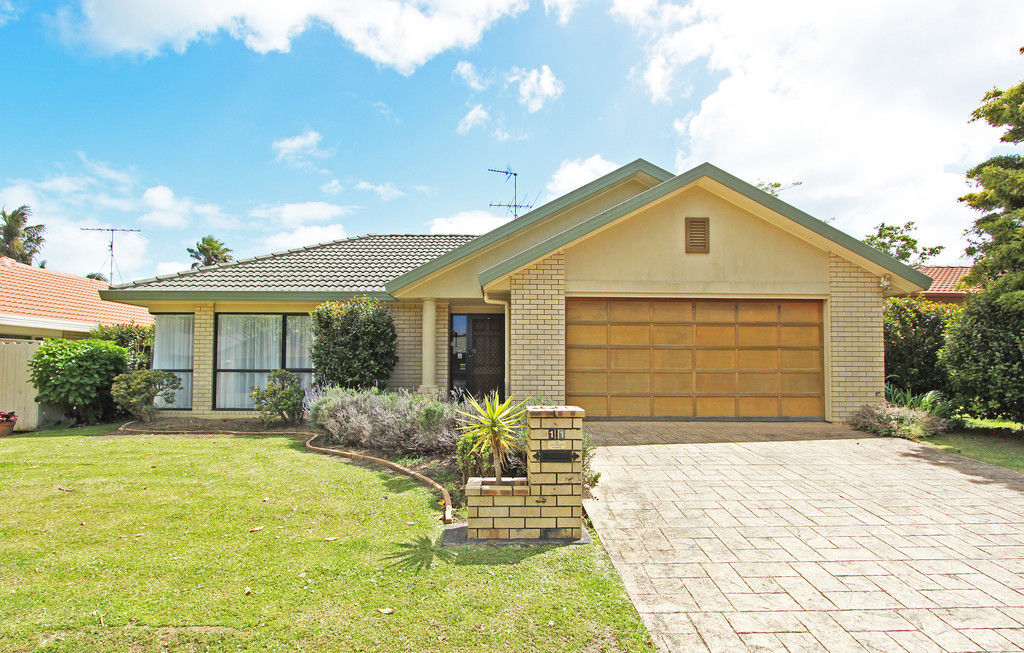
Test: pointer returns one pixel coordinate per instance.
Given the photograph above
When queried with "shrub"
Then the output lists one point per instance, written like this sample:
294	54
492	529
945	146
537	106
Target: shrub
75	376
136	391
914	331
136	338
354	343
984	356
896	421
281	399
932	402
493	427
392	422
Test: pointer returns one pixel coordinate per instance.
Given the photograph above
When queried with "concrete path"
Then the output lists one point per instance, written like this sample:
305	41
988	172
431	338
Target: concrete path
807	537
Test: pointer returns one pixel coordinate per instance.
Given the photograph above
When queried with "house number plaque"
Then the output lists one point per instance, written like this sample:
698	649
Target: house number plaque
556	434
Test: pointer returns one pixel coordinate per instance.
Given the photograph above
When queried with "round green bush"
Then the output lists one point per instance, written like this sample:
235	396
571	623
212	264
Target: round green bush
914	331
76	375
136	391
354	343
984	356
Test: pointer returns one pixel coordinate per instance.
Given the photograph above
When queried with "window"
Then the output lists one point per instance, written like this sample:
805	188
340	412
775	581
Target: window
172	351
698	236
250	347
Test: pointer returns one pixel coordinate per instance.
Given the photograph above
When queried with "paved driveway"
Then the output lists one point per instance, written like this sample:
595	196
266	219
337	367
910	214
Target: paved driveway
807	537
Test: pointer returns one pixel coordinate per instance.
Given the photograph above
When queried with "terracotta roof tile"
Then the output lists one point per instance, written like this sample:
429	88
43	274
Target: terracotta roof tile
39	292
945	278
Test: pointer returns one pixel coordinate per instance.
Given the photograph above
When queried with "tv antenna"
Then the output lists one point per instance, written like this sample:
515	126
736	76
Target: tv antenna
516	203
111	231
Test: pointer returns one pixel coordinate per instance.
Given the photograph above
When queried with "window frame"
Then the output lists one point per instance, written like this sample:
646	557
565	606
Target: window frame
282	358
192	370
686	234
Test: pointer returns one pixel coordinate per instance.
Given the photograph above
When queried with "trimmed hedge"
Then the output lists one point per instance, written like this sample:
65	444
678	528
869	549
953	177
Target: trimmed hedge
914	331
354	344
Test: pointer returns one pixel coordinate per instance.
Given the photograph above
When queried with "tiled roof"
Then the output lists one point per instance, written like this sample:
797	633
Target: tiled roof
360	264
945	278
38	292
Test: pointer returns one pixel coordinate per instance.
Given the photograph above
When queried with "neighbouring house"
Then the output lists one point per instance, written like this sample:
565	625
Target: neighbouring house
642	294
40	303
946	286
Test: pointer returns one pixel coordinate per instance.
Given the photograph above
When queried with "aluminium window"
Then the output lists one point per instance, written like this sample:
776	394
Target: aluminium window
252	345
172	352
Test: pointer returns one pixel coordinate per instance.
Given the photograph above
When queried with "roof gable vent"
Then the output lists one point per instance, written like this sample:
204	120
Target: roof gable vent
698	236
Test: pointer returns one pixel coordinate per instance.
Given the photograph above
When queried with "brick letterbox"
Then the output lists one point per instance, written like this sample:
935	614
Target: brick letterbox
548	503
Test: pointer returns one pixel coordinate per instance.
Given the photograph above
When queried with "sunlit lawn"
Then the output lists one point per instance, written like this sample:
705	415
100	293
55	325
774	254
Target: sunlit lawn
991	441
110	543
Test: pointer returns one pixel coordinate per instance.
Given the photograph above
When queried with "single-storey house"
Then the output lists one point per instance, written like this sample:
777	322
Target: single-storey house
642	294
946	287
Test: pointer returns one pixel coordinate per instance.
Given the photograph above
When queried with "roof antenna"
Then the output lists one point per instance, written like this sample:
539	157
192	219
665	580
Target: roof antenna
515	204
111	230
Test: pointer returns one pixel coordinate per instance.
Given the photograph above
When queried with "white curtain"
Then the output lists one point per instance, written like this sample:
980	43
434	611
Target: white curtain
172	350
248	342
233	388
298	338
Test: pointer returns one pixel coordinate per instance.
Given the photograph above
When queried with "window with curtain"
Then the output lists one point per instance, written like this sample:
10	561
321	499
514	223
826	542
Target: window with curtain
251	346
172	352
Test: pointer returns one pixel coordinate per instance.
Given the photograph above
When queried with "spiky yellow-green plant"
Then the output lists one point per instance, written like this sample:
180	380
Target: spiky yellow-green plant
493	426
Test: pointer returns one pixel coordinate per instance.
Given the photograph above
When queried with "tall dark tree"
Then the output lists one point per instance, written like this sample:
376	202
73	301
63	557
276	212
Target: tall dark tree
209	251
997	237
898	241
18	239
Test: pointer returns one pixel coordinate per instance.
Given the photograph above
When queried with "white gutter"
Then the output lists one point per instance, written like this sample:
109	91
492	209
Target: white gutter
33	322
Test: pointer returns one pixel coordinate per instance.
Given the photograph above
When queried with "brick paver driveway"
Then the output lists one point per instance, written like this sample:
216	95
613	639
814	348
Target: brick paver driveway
807	537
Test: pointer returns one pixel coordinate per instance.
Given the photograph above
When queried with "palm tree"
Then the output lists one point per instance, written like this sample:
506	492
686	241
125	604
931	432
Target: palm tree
97	276
209	251
493	426
20	240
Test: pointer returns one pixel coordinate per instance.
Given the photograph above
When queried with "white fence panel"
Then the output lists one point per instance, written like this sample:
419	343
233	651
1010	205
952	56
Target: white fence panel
16	390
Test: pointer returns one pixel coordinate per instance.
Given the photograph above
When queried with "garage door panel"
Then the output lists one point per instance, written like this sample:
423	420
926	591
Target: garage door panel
672	334
629	310
695	358
630	359
586	310
586	359
586	334
672	359
715	359
630	406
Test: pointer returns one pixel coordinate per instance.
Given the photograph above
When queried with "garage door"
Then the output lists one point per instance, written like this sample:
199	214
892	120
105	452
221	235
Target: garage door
695	358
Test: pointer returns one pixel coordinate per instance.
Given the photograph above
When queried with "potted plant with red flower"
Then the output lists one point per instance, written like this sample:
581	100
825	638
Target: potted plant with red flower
7	422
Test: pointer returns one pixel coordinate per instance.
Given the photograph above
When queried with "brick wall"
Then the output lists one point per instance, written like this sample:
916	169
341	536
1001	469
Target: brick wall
441	347
538	331
202	361
409	325
857	349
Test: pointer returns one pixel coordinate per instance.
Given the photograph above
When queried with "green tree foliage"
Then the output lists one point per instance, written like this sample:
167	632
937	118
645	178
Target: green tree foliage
914	333
997	237
95	276
898	241
76	375
281	399
776	188
984	355
18	239
136	391
136	338
354	343
493	427
209	251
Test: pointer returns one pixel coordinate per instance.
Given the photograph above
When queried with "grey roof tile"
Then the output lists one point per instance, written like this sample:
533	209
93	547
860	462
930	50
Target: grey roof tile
360	264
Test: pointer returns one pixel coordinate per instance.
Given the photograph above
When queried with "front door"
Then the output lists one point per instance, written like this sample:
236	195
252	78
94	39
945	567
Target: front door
477	354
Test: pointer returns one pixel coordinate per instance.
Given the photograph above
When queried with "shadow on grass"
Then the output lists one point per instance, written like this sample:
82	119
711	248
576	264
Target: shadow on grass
981	472
421	553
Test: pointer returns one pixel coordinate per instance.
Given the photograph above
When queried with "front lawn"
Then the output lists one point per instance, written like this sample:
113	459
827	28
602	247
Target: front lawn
996	442
145	542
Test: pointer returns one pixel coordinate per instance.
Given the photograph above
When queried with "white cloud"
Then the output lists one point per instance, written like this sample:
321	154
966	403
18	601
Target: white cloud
872	120
564	9
573	173
8	11
467	222
468	73
333	187
386	111
387	190
536	87
164	209
170	267
299	213
299	151
501	134
304	235
478	115
402	34
65	184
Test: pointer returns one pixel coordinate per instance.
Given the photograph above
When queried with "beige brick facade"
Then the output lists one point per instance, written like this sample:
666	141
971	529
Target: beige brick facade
409	325
537	358
856	350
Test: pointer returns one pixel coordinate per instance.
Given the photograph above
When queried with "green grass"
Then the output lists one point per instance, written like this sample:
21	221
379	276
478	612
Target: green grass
992	441
151	542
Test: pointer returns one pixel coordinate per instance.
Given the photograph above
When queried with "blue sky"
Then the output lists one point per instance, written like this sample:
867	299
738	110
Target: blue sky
273	127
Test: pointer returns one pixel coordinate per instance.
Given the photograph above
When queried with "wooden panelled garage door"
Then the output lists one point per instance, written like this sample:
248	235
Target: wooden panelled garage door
695	358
